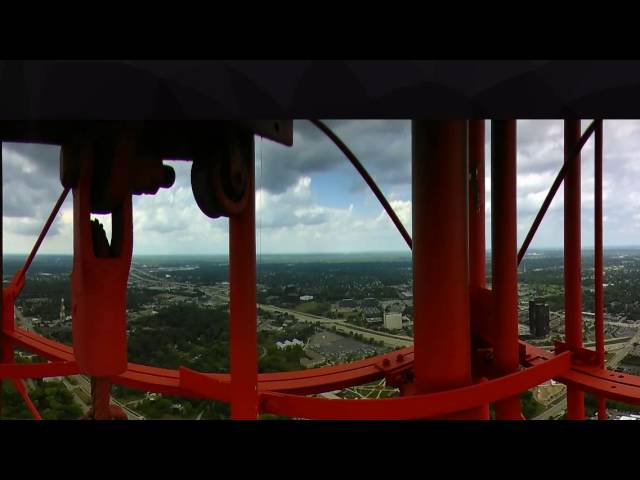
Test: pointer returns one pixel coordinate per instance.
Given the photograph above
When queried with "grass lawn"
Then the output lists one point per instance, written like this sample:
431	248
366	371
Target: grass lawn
314	308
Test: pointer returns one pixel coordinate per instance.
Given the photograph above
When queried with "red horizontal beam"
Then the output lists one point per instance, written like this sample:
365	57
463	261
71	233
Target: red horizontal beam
593	379
38	370
168	382
188	383
205	385
304	382
40	345
415	406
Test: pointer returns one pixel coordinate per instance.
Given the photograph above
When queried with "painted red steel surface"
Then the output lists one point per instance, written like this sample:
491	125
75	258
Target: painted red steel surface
445	310
417	406
441	273
170	381
571	156
22	390
242	307
99	285
38	370
504	262
572	261
186	383
440	276
598	275
477	254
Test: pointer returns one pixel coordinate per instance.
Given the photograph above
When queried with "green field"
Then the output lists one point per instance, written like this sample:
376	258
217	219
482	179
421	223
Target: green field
314	308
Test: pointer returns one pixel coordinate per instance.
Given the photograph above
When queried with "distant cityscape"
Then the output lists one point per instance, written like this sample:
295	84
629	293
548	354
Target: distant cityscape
313	311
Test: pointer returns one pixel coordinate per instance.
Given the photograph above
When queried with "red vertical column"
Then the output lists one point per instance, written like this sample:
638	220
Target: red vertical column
572	261
6	322
440	257
6	303
598	262
504	259
477	255
242	305
2	337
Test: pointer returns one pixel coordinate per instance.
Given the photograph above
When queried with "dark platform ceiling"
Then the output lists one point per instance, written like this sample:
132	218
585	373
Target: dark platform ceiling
177	90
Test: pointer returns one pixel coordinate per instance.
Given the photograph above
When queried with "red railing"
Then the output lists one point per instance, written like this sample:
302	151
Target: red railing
461	393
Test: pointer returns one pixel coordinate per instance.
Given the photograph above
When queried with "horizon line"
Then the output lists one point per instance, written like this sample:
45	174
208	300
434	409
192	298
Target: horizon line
160	254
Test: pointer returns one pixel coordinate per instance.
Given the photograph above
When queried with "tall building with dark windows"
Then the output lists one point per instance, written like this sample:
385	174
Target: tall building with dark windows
538	318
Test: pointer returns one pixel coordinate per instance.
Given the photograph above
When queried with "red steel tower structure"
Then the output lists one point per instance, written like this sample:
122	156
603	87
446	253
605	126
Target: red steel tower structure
466	354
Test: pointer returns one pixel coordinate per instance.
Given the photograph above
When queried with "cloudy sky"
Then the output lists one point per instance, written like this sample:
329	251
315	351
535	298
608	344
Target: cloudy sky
310	199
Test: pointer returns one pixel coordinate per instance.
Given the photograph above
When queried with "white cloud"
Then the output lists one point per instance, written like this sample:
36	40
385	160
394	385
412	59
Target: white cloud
293	211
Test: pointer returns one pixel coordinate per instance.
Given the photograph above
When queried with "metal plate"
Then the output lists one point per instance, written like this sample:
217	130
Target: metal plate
171	139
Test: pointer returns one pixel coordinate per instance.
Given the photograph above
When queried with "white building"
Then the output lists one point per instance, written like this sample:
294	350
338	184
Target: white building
393	321
289	343
627	417
52	379
306	298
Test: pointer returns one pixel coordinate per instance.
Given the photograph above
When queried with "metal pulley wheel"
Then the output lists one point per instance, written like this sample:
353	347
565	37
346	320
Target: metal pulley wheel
219	180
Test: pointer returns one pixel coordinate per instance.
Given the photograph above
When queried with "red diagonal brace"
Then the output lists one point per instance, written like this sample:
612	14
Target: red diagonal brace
25	396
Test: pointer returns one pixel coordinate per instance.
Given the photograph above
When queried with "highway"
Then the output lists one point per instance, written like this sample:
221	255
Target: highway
394	341
623	352
560	405
390	340
557	408
622	324
85	385
609	345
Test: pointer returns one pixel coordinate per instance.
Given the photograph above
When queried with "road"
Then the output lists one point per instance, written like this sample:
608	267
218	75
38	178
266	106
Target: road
623	352
622	324
610	344
556	409
394	341
85	385
560	406
390	340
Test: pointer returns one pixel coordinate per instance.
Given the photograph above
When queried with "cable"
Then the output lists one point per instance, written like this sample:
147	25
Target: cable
367	178
554	188
23	271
